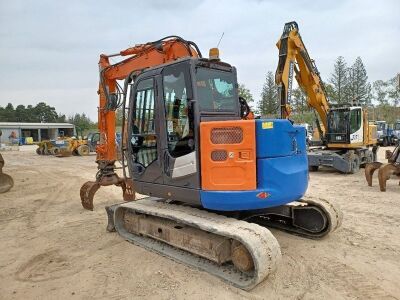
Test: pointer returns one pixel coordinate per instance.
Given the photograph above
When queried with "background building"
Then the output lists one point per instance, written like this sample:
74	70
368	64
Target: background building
16	133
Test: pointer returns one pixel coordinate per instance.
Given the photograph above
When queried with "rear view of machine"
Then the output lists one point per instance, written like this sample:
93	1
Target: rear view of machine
215	177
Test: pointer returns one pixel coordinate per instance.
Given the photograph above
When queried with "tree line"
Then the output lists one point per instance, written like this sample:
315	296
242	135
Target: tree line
43	113
347	84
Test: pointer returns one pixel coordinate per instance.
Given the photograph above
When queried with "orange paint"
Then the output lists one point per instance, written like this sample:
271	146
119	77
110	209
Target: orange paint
228	155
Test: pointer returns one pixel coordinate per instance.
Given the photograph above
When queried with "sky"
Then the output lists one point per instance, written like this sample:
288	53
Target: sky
49	50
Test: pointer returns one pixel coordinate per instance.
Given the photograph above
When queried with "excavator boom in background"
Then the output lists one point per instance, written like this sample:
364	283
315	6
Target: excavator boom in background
215	177
349	141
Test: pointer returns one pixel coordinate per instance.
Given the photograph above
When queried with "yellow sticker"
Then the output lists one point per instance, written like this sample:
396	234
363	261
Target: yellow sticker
267	125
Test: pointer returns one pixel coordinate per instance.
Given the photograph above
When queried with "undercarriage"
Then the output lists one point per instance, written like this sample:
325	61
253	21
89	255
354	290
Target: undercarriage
238	248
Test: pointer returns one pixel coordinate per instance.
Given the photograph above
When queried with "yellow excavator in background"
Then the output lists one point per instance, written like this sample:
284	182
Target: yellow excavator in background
348	140
6	181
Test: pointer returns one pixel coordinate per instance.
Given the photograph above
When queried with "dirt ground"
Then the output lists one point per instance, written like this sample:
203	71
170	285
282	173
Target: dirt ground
50	247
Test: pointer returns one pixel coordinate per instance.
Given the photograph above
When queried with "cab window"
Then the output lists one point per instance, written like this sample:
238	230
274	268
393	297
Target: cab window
355	120
179	122
144	138
216	90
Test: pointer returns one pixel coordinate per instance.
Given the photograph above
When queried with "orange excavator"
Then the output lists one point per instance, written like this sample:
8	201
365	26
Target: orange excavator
215	178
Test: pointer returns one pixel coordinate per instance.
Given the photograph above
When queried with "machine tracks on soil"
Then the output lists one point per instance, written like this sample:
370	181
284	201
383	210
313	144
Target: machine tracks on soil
259	241
350	282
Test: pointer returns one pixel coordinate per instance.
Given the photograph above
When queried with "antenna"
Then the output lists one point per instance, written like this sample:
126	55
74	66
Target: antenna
220	39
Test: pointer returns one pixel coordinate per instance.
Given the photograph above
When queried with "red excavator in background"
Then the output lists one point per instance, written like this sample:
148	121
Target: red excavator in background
215	177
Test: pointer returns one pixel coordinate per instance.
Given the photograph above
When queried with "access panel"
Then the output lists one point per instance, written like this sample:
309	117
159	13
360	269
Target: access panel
228	155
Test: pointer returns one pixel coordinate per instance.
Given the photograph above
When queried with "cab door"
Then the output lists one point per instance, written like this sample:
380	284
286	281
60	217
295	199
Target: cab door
143	129
356	126
177	129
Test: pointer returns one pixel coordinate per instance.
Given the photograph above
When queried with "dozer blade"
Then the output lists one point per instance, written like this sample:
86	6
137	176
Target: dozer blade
370	169
6	183
241	253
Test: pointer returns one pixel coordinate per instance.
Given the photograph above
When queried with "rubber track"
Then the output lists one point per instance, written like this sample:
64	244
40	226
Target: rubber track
258	240
332	212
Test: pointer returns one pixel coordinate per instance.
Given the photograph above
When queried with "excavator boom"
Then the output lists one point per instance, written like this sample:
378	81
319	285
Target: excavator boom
295	60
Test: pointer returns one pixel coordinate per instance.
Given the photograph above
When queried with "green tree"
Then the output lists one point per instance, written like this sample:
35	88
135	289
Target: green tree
268	104
41	112
380	93
329	91
8	113
61	118
246	94
299	101
44	113
340	81
359	89
394	90
81	122
21	114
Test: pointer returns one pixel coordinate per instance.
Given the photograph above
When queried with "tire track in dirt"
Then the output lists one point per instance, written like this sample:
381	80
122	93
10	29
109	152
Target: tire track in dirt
46	266
348	281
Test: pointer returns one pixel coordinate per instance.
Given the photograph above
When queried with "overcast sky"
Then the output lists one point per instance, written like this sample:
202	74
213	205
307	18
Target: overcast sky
49	49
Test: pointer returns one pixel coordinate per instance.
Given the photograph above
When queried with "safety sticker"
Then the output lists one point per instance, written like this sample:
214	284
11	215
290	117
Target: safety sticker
267	125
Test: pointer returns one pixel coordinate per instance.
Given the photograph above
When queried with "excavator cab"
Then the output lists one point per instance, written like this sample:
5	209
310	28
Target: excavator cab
190	141
345	125
167	105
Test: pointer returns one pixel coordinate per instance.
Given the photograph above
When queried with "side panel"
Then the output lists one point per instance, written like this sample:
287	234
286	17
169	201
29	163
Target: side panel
276	138
228	155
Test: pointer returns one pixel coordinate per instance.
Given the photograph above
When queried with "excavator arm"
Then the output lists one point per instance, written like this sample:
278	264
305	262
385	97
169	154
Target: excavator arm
295	60
111	97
